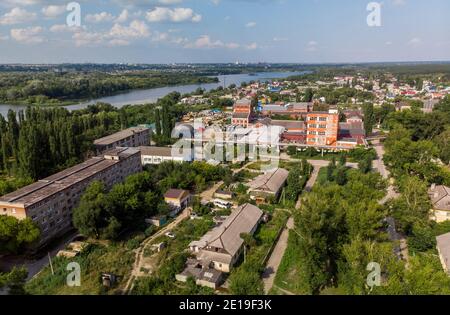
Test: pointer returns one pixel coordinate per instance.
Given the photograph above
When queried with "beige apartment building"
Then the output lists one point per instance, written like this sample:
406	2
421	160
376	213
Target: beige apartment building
131	137
49	202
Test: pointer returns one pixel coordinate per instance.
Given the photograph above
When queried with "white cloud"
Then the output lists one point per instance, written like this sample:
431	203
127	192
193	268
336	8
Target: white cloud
99	17
52	11
136	29
232	45
17	16
118	42
251	46
250	24
21	2
416	41
205	41
280	39
29	35
176	15
118	35
169	2
398	2
312	46
123	16
60	28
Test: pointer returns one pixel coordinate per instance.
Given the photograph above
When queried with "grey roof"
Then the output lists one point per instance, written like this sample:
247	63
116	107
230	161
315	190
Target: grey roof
289	124
227	236
123	134
443	244
274	108
301	106
271	182
440	197
159	151
49	186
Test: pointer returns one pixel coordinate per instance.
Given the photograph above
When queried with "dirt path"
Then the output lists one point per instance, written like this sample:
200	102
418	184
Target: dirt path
139	258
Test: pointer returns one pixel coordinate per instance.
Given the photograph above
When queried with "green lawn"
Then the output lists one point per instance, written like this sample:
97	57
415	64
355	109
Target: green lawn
95	260
288	274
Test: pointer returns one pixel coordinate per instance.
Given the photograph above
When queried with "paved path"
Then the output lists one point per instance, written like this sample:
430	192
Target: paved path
402	249
35	266
277	255
139	259
274	261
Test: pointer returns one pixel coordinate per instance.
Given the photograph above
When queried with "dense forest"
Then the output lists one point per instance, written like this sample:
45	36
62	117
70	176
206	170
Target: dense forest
38	142
65	87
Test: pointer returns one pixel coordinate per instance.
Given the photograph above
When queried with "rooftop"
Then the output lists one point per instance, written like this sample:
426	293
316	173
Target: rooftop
123	134
440	197
176	193
58	182
159	151
443	244
271	181
227	236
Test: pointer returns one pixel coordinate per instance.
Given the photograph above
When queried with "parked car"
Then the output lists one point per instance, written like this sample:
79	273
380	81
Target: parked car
170	235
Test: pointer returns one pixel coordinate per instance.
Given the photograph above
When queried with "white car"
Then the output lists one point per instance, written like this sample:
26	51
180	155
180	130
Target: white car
170	235
222	204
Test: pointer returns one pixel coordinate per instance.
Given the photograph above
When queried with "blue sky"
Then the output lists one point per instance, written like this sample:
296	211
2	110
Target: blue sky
166	31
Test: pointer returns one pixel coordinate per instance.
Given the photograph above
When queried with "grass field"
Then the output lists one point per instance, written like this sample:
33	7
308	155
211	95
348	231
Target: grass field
95	260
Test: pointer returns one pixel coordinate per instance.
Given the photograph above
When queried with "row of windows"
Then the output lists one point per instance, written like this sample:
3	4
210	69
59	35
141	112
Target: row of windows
320	118
314	133
314	126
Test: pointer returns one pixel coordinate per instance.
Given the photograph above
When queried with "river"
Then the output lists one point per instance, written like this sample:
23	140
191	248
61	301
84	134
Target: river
152	95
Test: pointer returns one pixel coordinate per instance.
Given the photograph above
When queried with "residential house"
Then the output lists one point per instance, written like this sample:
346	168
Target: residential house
178	199
440	199
268	185
221	247
443	247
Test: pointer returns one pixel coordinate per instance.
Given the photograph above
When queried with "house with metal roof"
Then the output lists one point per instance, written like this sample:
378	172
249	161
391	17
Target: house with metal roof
221	247
268	184
443	247
440	198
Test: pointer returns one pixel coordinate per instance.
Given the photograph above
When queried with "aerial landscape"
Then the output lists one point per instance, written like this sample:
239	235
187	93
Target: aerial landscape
186	148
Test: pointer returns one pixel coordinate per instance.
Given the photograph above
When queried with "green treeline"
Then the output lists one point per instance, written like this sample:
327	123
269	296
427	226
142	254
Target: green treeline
55	88
103	214
38	142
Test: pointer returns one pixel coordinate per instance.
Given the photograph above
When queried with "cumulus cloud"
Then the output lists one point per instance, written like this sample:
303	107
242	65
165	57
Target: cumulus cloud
205	42
118	35
53	11
29	35
17	16
176	15
99	17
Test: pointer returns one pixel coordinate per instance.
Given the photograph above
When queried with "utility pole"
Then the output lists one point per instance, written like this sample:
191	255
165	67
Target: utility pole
51	265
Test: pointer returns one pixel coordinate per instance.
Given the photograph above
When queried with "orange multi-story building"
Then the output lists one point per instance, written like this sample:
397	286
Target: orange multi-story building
322	128
242	113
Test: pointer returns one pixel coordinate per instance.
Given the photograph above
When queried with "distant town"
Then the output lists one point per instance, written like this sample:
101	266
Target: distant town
285	186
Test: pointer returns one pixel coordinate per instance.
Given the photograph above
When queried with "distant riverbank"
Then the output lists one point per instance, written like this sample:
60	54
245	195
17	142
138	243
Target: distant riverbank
146	96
